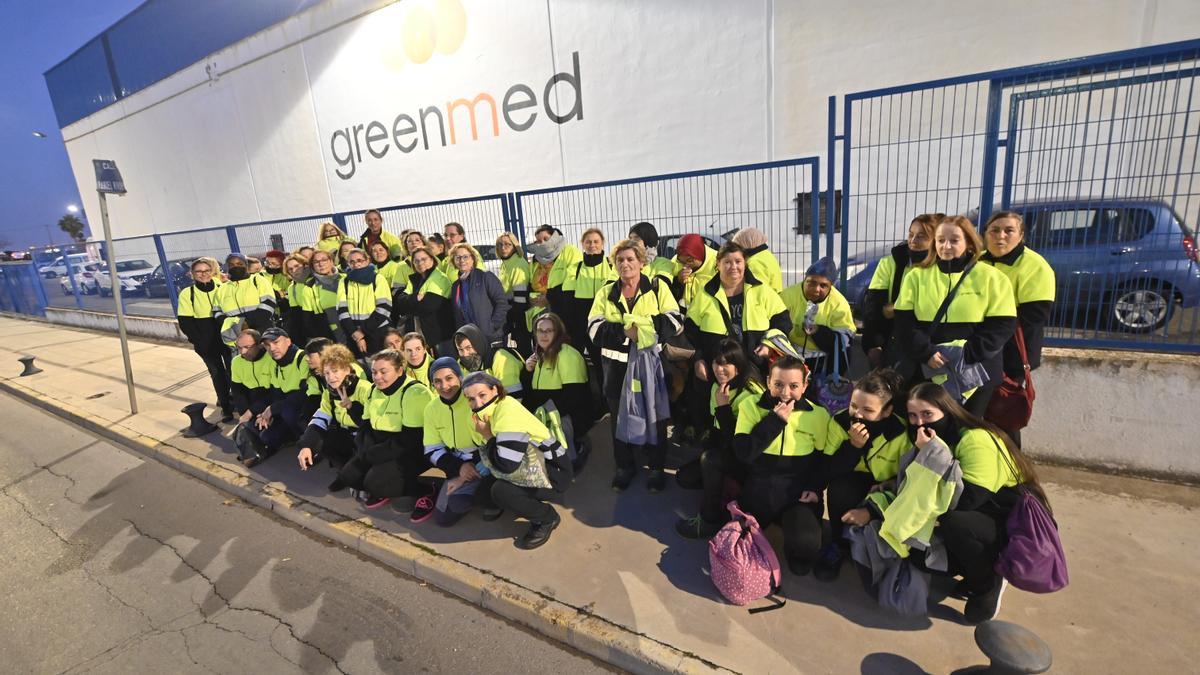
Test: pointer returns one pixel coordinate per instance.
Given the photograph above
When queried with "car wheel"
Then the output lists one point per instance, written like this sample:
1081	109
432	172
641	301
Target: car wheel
1139	309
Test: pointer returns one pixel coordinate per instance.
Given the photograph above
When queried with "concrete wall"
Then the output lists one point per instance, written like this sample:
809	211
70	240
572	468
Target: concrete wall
161	329
1127	412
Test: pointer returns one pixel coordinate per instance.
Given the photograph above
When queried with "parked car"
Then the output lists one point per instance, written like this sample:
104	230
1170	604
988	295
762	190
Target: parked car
1119	264
58	267
155	285
87	279
131	274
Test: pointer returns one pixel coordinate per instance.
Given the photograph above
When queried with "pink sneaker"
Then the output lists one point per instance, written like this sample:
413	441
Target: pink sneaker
423	511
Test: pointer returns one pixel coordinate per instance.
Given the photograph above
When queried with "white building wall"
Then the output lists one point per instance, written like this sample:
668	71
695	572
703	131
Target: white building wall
666	86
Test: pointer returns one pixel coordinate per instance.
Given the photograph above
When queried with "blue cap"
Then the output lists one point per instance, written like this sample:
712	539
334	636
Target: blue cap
445	362
825	267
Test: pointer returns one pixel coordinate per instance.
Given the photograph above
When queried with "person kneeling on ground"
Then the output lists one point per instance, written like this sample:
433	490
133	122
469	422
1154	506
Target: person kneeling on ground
389	458
250	388
289	411
822	322
330	433
735	381
557	372
529	464
452	445
865	443
973	529
782	436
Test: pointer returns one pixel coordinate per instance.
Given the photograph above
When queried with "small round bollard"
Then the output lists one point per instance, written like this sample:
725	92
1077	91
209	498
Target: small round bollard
197	425
30	369
1011	648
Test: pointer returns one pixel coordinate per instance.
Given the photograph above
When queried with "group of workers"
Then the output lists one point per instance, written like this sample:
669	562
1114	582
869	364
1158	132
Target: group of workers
391	355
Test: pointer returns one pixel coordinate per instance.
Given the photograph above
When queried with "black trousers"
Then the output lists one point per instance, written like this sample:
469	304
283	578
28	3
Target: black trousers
626	454
974	540
219	366
338	445
395	476
529	503
846	492
774	501
715	465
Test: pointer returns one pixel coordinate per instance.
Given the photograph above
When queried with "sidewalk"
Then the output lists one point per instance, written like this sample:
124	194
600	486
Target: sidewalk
617	582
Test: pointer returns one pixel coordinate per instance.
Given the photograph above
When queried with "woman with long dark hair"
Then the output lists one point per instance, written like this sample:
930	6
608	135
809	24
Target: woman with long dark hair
426	298
557	372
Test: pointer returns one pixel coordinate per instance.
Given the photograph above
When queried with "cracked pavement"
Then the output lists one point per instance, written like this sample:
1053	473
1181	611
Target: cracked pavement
112	565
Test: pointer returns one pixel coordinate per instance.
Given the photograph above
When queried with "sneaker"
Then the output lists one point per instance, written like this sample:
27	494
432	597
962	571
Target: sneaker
985	606
829	563
422	510
538	534
622	479
491	513
404	504
656	481
376	502
696	527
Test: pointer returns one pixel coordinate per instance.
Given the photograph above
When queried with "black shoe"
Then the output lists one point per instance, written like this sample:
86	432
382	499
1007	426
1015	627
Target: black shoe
962	591
622	479
985	606
582	450
689	476
656	481
799	567
251	461
491	513
336	486
697	527
829	563
538	534
404	504
226	416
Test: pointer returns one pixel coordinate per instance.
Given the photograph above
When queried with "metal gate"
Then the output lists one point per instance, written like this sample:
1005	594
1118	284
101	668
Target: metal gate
1099	154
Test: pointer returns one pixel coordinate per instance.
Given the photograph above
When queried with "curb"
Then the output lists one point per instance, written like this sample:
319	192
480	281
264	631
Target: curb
598	637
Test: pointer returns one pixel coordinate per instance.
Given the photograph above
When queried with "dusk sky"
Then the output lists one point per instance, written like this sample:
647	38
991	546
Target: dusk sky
36	184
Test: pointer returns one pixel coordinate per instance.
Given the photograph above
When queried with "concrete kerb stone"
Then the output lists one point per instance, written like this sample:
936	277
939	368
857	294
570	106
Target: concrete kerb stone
592	635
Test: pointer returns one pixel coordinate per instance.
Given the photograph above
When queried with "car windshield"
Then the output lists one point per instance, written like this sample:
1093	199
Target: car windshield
132	265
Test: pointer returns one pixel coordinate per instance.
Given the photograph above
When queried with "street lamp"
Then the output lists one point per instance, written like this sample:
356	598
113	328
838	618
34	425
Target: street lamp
38	134
71	208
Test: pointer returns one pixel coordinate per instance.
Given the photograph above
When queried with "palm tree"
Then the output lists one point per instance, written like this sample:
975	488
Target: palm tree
73	227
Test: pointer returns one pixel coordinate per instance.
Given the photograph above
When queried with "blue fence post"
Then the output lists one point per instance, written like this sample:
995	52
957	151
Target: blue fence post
814	224
38	290
830	206
991	147
339	219
231	231
505	213
165	266
520	219
846	141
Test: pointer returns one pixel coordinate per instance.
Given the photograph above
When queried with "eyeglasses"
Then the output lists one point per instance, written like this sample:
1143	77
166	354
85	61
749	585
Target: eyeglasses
460	258
202	271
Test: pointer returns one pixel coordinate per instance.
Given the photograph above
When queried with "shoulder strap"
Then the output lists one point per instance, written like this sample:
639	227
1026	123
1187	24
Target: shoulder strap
941	313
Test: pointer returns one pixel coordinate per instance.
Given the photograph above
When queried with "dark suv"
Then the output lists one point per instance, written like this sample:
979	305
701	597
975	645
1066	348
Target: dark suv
155	285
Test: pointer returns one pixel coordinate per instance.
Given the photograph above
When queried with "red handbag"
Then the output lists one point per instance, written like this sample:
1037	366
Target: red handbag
1012	402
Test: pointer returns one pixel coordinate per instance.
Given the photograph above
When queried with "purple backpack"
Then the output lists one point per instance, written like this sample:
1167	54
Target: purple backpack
1033	560
744	566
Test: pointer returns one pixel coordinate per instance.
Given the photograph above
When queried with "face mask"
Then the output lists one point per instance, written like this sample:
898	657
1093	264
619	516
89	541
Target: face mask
302	275
238	273
274	270
945	428
362	275
485	406
206	286
915	257
872	426
471	363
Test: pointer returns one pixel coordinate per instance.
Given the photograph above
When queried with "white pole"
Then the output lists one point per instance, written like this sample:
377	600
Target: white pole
116	288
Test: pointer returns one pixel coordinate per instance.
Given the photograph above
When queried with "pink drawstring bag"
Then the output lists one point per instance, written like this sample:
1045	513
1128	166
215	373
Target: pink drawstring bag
744	566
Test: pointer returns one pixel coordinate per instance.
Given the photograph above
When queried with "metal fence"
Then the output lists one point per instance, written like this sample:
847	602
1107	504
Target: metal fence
779	198
1099	154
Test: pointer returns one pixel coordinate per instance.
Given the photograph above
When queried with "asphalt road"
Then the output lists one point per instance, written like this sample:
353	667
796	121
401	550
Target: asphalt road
113	564
136	304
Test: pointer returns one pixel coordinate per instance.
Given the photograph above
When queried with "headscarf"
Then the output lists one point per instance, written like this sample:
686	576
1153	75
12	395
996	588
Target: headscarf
749	237
691	245
825	267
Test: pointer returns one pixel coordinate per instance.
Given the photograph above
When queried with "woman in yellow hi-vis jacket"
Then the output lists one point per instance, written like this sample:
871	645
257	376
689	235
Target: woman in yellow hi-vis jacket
364	304
640	311
514	279
979	319
583	282
1033	284
245	299
197	319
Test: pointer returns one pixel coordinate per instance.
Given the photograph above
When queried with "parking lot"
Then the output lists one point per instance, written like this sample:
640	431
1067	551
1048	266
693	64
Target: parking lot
135	304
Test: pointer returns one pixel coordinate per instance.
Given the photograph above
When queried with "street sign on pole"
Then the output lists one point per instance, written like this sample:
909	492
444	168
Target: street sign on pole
108	181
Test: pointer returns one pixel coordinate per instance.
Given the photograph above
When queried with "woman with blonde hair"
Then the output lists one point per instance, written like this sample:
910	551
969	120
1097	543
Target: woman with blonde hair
330	237
514	279
477	295
953	317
